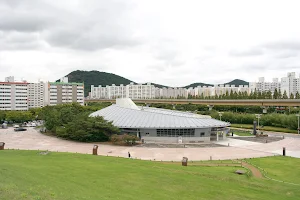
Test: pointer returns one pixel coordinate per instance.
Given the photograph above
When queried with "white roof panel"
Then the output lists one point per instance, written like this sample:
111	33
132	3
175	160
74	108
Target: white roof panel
155	118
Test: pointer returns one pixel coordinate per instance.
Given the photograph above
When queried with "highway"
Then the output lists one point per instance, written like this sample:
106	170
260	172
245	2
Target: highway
231	102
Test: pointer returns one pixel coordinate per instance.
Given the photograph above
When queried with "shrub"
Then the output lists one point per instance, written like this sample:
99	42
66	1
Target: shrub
125	139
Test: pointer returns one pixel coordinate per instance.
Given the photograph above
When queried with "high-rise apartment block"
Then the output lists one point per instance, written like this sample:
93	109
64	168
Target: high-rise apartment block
290	84
13	95
133	91
38	95
22	95
65	92
262	86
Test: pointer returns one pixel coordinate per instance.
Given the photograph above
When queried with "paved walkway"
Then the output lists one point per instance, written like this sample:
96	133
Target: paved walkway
33	140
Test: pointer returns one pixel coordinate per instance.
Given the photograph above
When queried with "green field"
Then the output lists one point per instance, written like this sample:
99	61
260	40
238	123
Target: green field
265	128
66	176
274	168
241	133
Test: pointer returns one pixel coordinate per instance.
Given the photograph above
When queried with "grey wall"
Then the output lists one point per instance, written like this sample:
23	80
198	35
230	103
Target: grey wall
74	93
152	132
59	94
206	131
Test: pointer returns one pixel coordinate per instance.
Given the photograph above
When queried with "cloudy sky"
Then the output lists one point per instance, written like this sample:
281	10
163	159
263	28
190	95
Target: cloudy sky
170	42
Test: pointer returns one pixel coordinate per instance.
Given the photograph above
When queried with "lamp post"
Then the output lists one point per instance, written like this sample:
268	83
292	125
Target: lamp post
220	114
298	115
258	116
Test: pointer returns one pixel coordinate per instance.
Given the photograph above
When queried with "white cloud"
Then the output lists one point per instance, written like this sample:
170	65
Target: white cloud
170	42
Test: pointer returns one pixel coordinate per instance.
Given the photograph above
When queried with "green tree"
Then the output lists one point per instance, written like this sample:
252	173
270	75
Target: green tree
268	95
297	95
87	129
284	96
292	96
19	116
275	94
2	115
279	94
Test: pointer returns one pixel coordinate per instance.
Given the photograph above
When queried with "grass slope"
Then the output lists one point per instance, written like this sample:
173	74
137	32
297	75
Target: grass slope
65	176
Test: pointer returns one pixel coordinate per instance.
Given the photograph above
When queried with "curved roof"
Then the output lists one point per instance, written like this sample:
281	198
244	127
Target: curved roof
151	118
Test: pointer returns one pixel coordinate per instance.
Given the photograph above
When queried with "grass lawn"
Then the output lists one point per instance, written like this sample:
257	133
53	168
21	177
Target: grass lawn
242	133
265	128
275	165
66	176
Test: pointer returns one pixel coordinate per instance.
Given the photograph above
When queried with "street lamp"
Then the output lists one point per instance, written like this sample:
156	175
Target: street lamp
258	116
298	115
220	114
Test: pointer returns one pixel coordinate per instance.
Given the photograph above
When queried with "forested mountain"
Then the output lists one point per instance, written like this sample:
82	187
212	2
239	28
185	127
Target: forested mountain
237	82
96	78
193	85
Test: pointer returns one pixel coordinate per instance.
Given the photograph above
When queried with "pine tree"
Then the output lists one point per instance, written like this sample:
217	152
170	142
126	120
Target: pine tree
263	95
231	95
235	95
292	96
251	95
275	94
269	95
226	95
255	94
246	95
297	95
259	95
285	95
279	94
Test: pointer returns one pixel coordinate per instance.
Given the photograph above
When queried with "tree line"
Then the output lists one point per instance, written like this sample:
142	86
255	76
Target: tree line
69	121
272	119
277	94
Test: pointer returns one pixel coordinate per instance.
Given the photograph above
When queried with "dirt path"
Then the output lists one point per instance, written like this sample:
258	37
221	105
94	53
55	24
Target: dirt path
256	173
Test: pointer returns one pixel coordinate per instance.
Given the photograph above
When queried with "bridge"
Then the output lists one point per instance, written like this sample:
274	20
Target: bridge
210	102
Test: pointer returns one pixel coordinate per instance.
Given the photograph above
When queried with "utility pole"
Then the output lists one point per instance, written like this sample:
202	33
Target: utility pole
220	114
258	116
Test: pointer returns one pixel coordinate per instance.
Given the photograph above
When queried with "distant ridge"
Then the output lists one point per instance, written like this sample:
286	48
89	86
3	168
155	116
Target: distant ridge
237	82
97	78
193	85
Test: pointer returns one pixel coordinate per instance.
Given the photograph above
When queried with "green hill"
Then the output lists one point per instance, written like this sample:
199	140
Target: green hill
237	82
96	78
193	85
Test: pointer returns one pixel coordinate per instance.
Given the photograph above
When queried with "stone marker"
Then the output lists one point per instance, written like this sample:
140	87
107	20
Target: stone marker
2	145
240	172
95	150
184	161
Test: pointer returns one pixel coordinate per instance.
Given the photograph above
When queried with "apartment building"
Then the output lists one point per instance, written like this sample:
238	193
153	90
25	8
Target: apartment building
290	83
13	95
38	95
133	91
65	92
173	92
262	86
